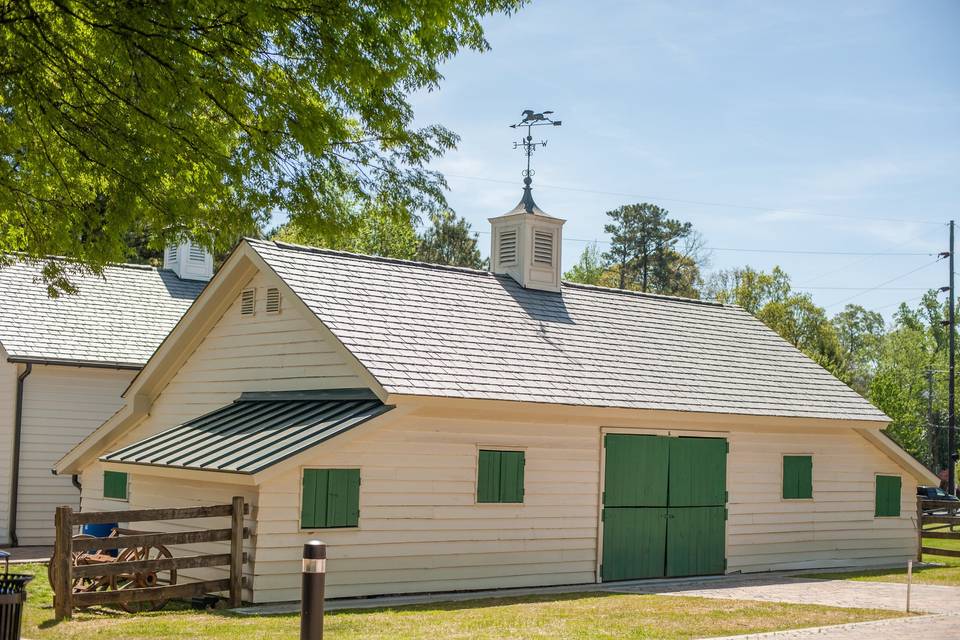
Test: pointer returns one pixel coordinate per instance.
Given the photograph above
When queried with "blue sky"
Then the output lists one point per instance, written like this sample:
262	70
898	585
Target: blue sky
759	122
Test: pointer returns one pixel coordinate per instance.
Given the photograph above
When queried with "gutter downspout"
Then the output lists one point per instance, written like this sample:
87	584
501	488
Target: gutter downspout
17	431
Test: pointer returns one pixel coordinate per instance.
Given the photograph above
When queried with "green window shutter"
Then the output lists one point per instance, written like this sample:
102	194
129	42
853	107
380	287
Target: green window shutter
115	485
488	476
343	498
331	498
797	477
511	476
313	513
887	496
500	476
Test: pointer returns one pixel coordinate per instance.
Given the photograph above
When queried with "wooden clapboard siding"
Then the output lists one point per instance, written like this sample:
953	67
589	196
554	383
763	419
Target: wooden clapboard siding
420	527
265	352
836	528
8	390
421	530
61	406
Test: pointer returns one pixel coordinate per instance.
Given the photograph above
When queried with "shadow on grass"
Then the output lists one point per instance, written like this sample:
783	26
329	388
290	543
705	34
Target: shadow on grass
183	607
486	602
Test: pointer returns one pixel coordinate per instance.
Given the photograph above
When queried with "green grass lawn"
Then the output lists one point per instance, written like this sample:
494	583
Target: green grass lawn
948	574
589	615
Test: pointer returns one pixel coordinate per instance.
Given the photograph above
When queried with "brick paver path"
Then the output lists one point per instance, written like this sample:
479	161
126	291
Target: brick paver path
833	593
936	627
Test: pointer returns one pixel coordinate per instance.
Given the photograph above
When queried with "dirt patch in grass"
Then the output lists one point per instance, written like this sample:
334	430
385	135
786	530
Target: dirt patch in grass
587	615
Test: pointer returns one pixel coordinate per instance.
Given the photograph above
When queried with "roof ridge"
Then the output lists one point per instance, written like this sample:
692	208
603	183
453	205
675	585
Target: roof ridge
644	294
364	256
470	271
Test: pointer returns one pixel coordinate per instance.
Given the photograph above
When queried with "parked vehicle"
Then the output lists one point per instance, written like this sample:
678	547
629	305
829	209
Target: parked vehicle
936	493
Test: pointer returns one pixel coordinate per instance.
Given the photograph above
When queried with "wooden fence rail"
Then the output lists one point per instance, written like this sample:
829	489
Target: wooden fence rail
64	571
944	515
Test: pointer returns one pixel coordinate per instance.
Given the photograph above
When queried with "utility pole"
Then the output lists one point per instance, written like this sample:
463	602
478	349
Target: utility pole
951	413
932	434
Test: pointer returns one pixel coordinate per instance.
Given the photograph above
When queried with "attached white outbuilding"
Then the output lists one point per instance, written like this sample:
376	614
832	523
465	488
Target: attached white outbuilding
445	428
64	364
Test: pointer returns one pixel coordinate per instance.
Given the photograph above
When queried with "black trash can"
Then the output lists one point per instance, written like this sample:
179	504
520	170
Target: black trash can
13	593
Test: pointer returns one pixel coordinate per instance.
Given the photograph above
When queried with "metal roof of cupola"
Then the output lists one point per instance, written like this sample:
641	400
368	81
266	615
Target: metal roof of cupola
526	241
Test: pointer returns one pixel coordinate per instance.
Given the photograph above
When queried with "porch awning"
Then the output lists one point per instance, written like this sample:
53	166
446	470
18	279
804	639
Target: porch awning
255	431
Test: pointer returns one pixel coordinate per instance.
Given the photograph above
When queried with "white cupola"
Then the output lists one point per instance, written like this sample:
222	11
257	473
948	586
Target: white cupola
525	244
189	260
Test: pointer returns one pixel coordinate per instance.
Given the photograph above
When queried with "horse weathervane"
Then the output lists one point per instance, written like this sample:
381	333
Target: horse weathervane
530	120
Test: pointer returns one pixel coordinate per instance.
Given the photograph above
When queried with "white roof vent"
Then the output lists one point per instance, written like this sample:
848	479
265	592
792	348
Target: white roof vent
189	260
248	302
526	246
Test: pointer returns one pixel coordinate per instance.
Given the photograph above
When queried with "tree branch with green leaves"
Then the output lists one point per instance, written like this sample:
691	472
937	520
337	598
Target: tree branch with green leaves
201	119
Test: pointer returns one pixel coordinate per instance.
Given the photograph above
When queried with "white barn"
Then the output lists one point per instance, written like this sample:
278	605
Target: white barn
64	363
445	428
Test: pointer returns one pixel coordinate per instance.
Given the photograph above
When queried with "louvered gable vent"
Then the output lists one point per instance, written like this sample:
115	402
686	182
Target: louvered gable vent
542	247
273	300
248	302
197	253
171	256
507	251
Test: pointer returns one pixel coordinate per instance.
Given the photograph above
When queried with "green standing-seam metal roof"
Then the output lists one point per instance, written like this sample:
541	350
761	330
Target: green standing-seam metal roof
255	431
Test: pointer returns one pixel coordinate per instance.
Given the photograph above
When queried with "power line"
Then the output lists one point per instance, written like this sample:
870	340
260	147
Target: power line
898	303
812	252
884	283
816	252
862	260
697	202
859	288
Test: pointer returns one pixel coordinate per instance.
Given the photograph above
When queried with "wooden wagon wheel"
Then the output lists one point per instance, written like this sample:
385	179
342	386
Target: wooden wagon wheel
142	579
78	558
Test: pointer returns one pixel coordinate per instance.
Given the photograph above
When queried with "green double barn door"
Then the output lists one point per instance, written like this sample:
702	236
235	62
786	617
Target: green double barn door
664	506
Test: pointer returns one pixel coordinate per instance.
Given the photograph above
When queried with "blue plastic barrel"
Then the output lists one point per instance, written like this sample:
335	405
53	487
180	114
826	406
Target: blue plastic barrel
100	531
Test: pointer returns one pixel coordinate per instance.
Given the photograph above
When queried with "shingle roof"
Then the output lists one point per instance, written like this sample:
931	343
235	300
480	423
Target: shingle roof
256	431
441	331
118	319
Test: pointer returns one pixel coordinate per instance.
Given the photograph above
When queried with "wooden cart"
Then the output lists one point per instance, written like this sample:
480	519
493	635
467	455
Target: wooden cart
121	581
